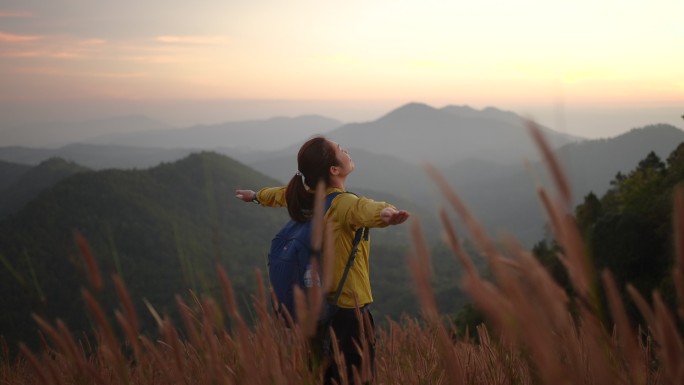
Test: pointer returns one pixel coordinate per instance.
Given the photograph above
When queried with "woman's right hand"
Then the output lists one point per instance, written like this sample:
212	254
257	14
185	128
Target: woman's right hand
245	195
393	217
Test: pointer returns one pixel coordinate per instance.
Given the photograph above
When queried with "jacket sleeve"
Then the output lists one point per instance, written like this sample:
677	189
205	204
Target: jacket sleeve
272	196
360	211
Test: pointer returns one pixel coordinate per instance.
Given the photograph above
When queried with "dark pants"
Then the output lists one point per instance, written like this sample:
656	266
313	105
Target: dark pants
349	333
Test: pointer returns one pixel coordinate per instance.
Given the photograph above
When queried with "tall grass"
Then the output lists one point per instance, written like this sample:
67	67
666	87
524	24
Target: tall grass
531	338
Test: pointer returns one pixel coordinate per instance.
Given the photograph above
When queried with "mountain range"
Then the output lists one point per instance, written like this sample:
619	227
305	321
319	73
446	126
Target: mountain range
414	132
162	217
487	155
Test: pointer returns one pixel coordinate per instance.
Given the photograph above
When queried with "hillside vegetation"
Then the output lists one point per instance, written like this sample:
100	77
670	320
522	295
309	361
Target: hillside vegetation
10	172
162	230
629	229
31	182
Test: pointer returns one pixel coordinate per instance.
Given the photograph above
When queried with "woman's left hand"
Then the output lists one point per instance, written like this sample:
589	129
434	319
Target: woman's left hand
245	195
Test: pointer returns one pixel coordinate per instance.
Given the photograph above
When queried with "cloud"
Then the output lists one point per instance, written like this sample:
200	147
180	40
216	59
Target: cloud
49	47
67	72
42	54
91	42
12	38
15	14
194	40
153	59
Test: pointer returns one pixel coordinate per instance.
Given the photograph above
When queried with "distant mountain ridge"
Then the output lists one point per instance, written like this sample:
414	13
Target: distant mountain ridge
57	134
96	156
418	133
269	134
592	164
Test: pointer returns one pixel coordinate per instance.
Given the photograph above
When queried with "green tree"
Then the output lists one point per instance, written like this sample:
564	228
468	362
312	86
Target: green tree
628	230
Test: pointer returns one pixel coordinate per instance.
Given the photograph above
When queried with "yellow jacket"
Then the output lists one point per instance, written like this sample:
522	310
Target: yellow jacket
347	213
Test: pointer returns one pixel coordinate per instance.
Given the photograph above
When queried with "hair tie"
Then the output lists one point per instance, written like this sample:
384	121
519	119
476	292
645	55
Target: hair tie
303	179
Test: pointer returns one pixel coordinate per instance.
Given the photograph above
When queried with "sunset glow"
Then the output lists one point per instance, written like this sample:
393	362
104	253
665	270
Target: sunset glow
507	54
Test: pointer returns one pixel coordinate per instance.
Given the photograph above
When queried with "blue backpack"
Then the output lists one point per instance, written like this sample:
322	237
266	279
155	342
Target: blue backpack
289	261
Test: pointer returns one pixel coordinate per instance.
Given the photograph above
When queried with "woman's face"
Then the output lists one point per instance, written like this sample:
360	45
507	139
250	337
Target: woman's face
344	160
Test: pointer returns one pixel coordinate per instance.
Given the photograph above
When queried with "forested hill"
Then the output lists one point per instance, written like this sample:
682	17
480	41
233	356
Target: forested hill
162	230
10	172
25	186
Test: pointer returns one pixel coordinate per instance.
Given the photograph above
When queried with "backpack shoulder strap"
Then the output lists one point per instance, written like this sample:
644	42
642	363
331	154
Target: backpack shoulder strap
329	198
360	233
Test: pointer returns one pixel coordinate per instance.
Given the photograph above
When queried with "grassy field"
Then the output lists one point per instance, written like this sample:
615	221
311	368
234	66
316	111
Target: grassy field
532	336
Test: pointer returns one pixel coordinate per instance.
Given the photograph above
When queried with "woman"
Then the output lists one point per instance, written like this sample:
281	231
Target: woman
320	159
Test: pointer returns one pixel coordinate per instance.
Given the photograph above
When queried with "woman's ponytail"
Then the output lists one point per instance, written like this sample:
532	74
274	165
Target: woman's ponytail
314	160
298	199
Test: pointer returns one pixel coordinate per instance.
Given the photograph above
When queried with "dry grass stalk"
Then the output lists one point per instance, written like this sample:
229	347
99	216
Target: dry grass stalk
153	313
476	230
455	245
317	219
567	234
419	265
53	334
260	299
93	271
407	354
309	306
178	365
678	271
552	163
631	361
670	341
57	379
575	260
189	322
338	357
363	374
35	365
125	300
106	332
131	335
76	354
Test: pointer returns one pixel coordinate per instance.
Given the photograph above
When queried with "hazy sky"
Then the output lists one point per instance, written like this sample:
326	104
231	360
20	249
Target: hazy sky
568	62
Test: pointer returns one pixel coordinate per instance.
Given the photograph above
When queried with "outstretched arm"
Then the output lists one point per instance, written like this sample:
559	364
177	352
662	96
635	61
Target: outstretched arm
266	197
393	217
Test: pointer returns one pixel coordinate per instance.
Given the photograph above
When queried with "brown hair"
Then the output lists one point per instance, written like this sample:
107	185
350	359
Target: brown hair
314	160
